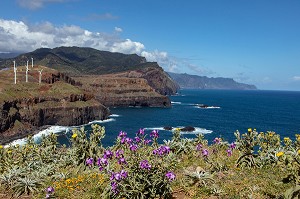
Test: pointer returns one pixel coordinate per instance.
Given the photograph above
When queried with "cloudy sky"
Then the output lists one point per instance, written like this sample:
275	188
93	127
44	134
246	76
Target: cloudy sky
255	42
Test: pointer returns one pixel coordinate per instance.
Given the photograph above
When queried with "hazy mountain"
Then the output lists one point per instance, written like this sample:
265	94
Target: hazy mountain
203	82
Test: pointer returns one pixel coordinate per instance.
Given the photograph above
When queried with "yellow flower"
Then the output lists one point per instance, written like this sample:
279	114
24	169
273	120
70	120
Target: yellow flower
249	130
298	152
74	135
286	138
279	154
1	147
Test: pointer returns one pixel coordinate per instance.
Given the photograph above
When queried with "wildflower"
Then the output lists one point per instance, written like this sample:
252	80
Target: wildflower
74	135
249	130
47	195
114	187
122	134
117	176
119	153
229	152
1	147
123	174
144	164
199	147
298	152
147	141
171	176
50	189
133	147
154	134
286	139
102	162
141	132
205	152
128	141
137	139
108	154
89	161
279	154
217	140
155	152
122	161
232	145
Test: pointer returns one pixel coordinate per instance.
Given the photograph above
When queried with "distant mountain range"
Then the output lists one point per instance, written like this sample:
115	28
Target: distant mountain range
203	82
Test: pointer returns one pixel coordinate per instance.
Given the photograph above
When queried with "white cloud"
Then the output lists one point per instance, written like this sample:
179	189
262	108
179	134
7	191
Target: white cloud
117	29
17	36
36	4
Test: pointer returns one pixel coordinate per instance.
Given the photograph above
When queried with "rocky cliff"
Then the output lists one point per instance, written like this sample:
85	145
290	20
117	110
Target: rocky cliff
25	107
119	90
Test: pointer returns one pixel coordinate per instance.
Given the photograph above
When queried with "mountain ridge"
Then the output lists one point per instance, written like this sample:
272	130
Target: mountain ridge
185	80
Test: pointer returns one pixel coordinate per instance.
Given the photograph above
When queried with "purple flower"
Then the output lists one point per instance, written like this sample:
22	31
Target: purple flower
144	164
108	154
162	150
229	152
122	134
128	141
89	161
137	139
124	174
232	145
154	134
117	176
205	152
122	161
123	140
133	147
119	153
47	195
155	152
114	187
147	142
165	149
171	176
102	162
217	140
199	147
141	132
50	190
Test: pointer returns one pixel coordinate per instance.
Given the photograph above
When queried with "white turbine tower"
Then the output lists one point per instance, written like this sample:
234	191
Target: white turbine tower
31	62
40	76
15	71
27	71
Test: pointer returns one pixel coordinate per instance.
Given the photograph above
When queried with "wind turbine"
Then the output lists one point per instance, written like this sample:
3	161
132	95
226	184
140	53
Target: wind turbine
27	71
15	71
40	76
31	62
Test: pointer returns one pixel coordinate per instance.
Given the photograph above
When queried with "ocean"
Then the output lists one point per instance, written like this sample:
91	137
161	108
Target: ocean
227	111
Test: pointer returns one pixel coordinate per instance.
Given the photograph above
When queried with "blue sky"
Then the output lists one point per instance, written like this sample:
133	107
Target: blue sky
255	42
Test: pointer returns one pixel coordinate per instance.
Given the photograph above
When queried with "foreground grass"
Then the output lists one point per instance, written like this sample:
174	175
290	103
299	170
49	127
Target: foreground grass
141	168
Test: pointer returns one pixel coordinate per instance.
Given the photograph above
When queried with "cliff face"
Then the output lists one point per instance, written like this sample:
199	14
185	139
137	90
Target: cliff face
119	90
20	117
26	106
203	82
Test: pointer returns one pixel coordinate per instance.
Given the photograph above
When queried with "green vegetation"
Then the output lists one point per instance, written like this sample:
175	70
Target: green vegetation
256	165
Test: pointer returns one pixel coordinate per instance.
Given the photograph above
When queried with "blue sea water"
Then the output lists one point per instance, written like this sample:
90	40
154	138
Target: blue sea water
232	110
